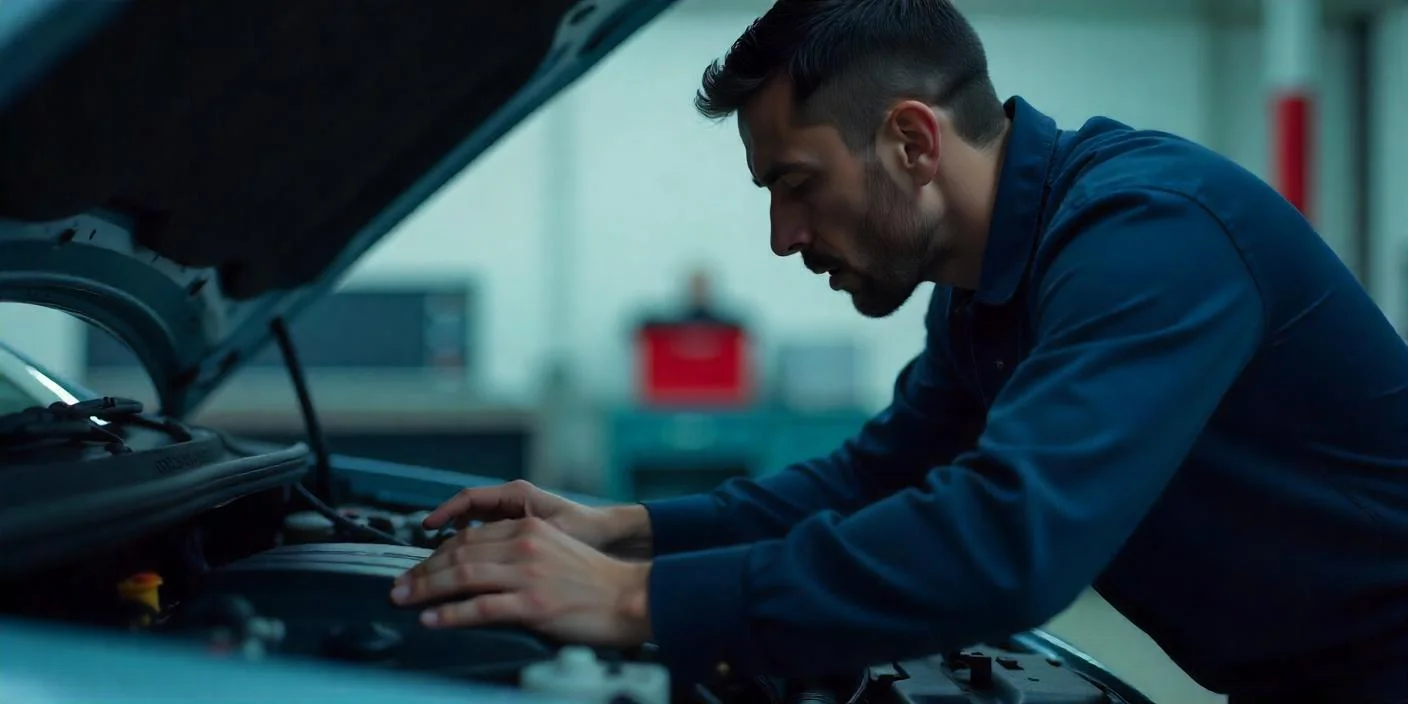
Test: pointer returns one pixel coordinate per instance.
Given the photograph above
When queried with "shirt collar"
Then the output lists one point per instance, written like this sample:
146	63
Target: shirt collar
1020	198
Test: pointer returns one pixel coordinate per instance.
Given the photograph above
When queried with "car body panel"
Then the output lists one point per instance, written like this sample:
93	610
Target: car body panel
178	225
131	669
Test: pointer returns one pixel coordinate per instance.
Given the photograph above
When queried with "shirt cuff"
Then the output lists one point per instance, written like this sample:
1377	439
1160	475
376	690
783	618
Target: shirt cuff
698	616
685	524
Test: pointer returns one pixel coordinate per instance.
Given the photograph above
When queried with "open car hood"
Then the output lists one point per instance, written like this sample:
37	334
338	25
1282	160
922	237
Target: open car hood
183	174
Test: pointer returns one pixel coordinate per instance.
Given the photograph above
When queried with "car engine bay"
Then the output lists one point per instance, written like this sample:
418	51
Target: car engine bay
237	583
242	569
121	520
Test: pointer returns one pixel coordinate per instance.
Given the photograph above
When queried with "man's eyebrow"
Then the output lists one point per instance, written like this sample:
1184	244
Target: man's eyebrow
776	172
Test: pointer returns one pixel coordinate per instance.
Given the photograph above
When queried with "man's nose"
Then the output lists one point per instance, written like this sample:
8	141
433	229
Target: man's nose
790	234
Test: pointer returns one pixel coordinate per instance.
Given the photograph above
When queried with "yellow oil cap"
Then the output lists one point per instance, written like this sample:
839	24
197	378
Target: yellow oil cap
142	588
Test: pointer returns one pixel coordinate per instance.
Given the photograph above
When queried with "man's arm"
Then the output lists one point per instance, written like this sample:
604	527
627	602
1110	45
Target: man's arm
929	421
1144	319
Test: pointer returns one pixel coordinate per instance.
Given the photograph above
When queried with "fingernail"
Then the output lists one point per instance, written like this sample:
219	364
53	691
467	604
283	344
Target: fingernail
400	593
429	618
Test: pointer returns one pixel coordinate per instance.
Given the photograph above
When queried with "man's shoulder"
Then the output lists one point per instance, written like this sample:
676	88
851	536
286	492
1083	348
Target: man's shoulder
1106	157
1103	170
1159	191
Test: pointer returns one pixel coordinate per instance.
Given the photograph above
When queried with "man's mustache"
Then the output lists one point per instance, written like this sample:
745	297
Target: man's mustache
820	262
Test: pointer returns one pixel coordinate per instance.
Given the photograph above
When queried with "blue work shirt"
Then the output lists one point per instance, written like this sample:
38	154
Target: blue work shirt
1166	385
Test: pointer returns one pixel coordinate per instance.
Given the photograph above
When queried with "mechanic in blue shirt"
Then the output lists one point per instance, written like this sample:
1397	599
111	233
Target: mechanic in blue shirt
1144	370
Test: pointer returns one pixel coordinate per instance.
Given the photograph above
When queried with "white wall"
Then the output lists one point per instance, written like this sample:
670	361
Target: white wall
1389	192
657	188
491	224
654	189
599	204
1240	112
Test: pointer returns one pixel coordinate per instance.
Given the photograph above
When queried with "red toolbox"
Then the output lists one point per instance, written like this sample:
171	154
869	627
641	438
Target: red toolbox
694	363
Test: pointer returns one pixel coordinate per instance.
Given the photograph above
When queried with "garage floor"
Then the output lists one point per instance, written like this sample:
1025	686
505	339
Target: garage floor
1097	629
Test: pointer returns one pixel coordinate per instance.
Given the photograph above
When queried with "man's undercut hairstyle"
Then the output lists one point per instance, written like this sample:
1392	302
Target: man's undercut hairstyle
849	61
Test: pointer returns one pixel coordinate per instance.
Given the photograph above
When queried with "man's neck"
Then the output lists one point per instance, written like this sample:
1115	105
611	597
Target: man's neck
970	184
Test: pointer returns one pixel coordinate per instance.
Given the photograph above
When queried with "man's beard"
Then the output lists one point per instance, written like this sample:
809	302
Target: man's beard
894	243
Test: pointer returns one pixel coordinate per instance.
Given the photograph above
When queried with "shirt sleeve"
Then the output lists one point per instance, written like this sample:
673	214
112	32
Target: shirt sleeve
929	421
1144	317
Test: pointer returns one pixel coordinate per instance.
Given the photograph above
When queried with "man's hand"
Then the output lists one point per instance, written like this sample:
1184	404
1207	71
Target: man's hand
621	530
528	572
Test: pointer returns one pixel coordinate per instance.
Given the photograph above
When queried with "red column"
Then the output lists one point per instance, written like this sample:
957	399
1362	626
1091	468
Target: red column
1292	29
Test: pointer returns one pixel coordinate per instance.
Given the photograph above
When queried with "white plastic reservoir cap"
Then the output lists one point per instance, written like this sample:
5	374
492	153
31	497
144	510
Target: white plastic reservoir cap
578	675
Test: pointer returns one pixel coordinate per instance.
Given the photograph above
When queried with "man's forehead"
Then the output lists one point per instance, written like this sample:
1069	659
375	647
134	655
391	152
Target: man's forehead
771	108
775	143
767	127
768	117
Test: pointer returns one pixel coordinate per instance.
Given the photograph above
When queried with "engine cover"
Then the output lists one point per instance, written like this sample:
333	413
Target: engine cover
331	601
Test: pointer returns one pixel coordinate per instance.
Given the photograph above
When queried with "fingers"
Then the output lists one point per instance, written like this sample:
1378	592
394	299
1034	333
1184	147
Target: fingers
474	561
495	564
457	579
514	607
488	532
487	503
458	551
468	504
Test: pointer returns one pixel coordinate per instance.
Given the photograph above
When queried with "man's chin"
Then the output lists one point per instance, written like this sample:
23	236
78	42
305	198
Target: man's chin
873	306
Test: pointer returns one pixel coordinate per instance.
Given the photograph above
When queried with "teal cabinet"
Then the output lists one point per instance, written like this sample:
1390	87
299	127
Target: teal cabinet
657	453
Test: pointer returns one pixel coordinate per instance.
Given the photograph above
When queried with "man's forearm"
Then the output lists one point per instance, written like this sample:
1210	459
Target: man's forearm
742	510
628	532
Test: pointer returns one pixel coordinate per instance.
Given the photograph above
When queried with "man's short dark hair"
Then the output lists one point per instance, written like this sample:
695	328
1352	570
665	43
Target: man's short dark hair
850	60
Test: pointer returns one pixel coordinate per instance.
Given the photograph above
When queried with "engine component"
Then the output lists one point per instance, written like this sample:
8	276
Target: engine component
141	594
995	675
577	674
334	602
231	623
303	527
419	535
832	690
167	474
363	642
307	527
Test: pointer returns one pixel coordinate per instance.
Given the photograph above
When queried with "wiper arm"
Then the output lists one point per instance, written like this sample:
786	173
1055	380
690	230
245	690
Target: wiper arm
105	408
69	422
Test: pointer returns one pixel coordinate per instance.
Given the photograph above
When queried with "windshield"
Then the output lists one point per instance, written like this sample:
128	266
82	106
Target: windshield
22	385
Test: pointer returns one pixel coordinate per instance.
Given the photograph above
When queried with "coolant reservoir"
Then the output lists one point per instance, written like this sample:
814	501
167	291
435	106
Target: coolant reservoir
577	674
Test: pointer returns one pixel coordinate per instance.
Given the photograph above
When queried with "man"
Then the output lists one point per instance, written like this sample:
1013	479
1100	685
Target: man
1143	371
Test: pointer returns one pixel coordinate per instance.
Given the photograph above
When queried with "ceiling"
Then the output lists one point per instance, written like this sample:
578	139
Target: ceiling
1226	10
1220	10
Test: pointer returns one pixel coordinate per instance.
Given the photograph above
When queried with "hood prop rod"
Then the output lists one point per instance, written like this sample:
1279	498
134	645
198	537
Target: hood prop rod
322	479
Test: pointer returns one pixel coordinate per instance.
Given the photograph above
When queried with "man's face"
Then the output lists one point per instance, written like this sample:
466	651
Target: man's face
842	211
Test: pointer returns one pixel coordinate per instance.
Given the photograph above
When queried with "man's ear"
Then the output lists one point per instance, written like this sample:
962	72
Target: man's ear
915	136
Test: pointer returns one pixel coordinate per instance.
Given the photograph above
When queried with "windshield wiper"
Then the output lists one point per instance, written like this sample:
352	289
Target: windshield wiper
72	423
